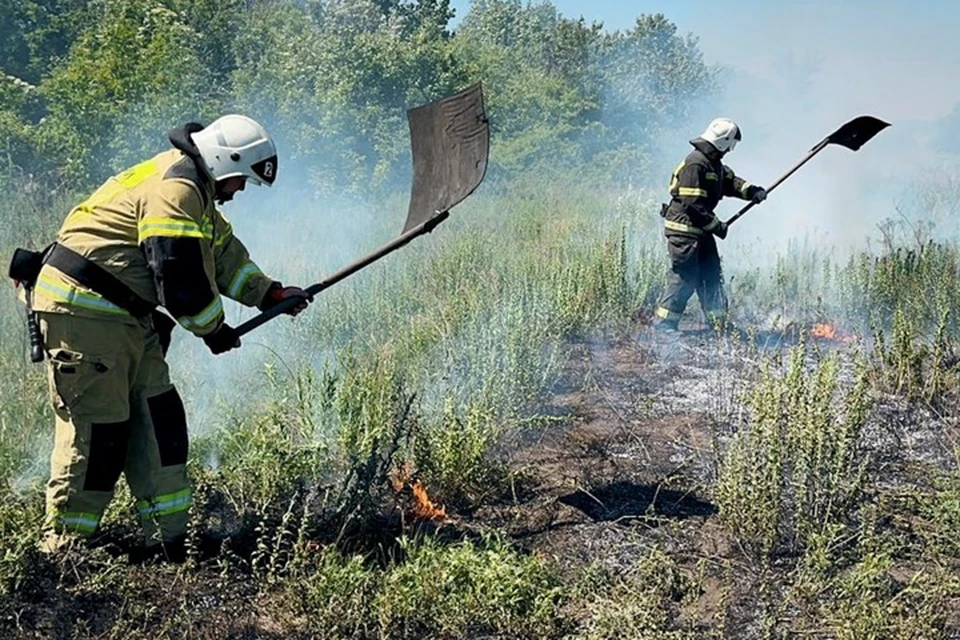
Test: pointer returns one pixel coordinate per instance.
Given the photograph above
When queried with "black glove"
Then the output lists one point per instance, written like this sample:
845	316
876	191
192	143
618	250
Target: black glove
721	230
222	340
758	194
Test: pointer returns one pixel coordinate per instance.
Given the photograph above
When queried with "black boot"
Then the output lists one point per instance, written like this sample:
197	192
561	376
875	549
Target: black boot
666	326
173	551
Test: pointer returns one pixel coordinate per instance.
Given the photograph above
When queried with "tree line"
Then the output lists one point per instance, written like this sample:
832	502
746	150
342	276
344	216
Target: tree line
88	87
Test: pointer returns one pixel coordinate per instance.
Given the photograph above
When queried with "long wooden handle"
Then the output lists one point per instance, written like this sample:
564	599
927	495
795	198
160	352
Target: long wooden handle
817	149
390	247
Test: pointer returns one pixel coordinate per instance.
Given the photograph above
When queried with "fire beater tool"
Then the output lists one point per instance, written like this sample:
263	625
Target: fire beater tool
450	143
852	135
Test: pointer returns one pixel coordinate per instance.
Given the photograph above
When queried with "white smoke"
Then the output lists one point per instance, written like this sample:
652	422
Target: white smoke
791	73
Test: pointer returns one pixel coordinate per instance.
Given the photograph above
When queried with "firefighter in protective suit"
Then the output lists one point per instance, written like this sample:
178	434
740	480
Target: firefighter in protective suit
690	225
149	237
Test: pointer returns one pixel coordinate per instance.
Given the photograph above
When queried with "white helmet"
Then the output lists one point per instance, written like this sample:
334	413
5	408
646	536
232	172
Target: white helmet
236	145
722	133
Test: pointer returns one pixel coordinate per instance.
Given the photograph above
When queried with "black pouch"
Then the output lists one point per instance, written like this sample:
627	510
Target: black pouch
663	210
25	266
25	269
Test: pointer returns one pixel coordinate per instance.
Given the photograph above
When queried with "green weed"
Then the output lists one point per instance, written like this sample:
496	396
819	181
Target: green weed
796	467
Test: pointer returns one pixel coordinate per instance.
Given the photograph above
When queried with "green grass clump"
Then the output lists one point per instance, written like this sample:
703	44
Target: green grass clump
914	281
461	590
645	603
795	469
20	520
867	602
914	364
468	589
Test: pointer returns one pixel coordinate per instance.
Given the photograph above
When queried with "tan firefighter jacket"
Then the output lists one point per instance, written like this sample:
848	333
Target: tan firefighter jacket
156	229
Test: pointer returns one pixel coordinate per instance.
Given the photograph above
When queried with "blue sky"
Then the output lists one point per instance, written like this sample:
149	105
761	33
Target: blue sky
899	56
797	70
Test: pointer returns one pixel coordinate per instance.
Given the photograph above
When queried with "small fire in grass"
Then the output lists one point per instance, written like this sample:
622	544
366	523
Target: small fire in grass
826	331
423	506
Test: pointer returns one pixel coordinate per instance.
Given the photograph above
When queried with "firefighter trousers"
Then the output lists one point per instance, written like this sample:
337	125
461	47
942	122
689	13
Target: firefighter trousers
116	414
694	268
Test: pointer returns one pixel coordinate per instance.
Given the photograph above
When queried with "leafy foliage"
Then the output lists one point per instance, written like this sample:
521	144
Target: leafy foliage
89	87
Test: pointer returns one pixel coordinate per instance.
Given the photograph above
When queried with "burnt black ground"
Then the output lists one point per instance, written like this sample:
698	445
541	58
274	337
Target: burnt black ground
625	465
630	462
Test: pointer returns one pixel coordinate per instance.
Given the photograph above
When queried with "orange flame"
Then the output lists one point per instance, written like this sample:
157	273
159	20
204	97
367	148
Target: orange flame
829	332
824	331
423	507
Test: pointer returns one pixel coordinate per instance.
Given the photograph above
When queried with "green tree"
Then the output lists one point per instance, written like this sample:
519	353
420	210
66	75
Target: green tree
537	68
89	86
562	89
36	35
651	79
129	76
339	77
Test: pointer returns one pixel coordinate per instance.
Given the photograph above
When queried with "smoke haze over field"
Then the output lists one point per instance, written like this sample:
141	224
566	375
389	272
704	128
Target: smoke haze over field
792	73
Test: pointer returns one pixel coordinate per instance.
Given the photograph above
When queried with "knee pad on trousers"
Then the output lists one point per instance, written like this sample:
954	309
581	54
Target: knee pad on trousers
169	427
108	455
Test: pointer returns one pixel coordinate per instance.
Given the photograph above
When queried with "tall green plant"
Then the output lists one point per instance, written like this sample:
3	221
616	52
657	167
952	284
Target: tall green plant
794	471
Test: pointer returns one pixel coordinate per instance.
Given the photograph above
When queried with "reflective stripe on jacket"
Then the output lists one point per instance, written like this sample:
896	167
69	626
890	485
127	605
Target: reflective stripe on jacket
155	227
696	186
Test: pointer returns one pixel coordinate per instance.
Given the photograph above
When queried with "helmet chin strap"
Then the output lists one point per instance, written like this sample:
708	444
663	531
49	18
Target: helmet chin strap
219	194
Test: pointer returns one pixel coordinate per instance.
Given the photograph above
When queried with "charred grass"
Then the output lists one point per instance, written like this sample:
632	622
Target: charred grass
585	477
